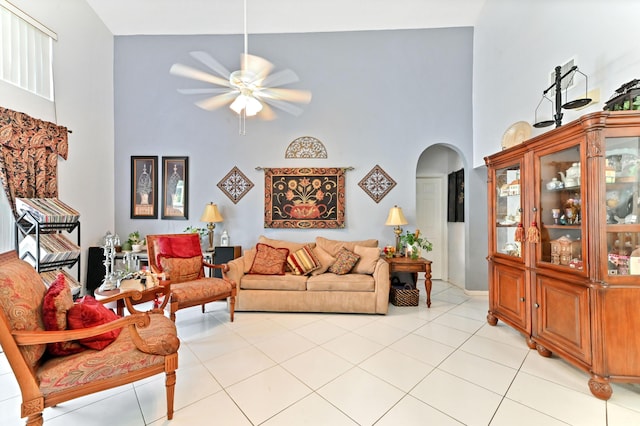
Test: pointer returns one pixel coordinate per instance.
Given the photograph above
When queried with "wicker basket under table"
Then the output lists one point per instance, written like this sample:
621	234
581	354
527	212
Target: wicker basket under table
407	296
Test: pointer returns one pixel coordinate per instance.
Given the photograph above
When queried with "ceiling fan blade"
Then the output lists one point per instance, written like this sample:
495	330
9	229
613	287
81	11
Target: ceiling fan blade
217	101
202	91
260	67
267	113
284	106
189	72
210	62
280	78
291	95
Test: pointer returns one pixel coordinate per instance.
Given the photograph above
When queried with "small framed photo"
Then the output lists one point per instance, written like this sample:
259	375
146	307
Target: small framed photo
175	187
144	187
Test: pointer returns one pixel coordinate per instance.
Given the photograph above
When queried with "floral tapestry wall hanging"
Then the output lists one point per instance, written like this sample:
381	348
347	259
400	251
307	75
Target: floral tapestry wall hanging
306	197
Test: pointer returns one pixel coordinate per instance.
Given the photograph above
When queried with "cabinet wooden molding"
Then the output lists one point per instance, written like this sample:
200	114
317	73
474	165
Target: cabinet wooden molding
564	247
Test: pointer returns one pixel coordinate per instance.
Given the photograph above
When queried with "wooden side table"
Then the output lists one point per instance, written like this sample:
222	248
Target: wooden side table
406	264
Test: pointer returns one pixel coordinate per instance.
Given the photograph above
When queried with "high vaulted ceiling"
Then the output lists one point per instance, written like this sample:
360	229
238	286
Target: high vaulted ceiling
128	17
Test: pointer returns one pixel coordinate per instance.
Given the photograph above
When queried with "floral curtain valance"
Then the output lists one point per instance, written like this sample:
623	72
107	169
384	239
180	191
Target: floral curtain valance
29	150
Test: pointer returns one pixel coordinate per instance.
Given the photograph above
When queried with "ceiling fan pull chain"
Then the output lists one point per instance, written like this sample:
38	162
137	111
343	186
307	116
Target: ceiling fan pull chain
242	122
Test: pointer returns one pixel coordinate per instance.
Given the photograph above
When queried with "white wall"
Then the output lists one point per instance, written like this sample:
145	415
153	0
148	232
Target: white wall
440	160
83	82
517	45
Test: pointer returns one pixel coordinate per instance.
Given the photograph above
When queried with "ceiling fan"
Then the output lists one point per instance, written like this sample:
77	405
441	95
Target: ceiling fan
251	91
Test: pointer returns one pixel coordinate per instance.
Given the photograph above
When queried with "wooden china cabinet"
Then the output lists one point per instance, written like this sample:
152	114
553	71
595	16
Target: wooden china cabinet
564	244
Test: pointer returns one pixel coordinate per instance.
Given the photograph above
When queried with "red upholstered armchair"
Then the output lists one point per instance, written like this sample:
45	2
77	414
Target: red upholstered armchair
179	258
140	345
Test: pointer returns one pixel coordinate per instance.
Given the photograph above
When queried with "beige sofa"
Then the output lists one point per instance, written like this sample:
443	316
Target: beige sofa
364	289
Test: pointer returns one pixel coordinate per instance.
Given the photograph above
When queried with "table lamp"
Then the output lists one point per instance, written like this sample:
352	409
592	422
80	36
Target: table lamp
396	218
211	215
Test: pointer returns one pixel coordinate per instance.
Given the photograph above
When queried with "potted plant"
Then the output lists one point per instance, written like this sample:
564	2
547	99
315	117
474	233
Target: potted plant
135	241
414	243
203	232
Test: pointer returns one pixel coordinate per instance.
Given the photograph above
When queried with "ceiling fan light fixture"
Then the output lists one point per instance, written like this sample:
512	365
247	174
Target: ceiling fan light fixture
253	106
248	103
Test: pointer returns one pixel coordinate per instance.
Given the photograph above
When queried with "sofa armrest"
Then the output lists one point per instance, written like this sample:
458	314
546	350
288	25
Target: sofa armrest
383	286
235	270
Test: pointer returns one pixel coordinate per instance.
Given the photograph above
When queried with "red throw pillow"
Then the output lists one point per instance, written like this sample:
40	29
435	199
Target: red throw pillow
88	312
57	301
183	247
269	260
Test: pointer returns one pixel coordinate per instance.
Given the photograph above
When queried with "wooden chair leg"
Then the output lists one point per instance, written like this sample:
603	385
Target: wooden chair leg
35	419
203	308
170	383
232	306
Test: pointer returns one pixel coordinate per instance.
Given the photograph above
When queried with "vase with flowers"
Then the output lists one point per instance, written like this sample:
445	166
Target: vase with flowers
414	243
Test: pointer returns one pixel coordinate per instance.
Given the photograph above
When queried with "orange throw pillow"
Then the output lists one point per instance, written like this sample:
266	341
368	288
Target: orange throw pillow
269	260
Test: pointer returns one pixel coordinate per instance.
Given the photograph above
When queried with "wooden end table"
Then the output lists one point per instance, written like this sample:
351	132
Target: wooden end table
406	264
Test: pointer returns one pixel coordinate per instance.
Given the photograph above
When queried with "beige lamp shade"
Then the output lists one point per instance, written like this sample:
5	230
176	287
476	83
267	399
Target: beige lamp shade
211	214
396	217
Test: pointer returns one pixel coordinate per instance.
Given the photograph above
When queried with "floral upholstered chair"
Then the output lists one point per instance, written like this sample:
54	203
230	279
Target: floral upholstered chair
52	367
179	258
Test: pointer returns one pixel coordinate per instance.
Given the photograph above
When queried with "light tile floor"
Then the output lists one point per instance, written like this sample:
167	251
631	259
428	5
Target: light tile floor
415	366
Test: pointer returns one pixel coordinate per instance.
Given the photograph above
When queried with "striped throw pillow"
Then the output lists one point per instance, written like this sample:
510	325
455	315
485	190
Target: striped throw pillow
303	261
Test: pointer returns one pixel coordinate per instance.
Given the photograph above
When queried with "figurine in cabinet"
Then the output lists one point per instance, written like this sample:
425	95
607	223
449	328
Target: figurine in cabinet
564	250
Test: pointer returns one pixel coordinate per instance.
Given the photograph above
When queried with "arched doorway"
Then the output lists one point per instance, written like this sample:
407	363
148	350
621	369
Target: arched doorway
448	256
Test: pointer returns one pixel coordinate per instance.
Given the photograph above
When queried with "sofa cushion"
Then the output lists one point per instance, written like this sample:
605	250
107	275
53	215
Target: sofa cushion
88	312
333	282
333	246
345	261
249	256
303	261
269	260
57	301
326	260
182	269
292	246
369	257
269	282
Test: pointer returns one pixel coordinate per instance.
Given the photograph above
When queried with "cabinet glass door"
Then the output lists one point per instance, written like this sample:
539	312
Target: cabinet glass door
623	229
559	213
508	210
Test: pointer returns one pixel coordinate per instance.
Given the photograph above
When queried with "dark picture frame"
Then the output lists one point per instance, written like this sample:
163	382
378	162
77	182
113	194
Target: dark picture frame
455	196
451	197
144	187
460	195
175	188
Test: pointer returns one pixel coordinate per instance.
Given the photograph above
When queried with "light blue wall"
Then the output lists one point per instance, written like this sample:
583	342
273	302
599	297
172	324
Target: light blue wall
379	97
